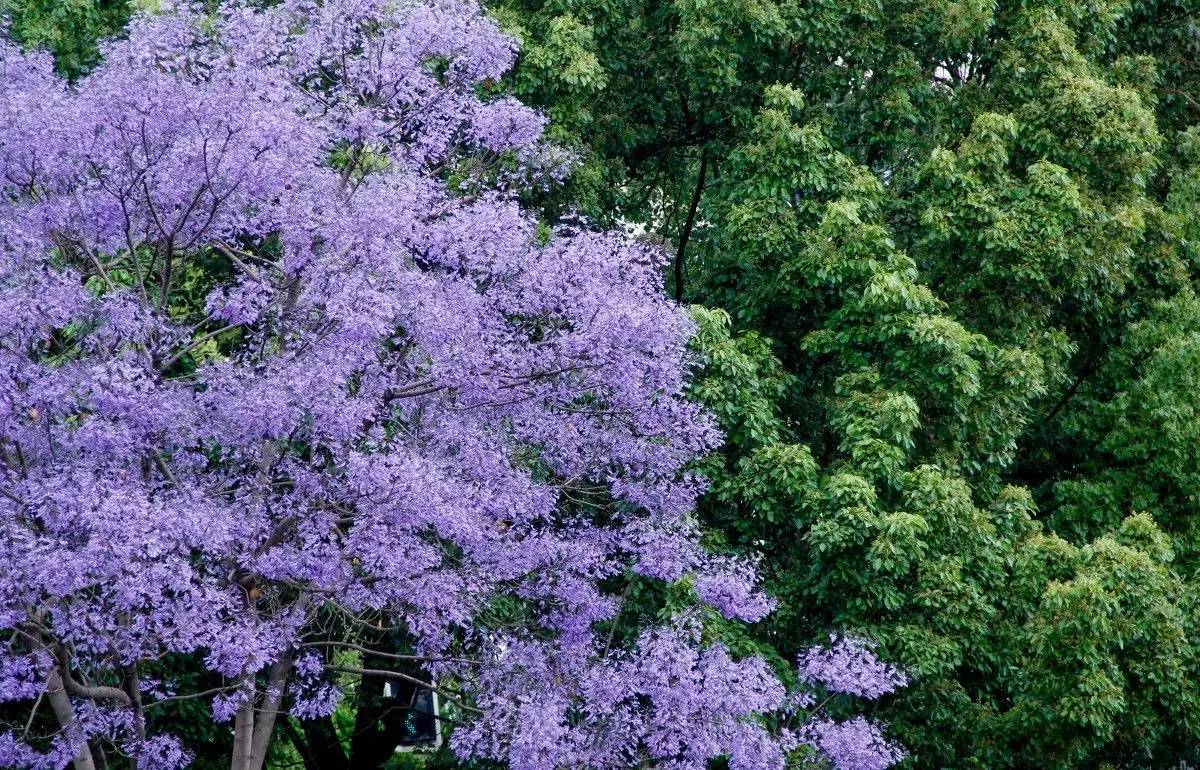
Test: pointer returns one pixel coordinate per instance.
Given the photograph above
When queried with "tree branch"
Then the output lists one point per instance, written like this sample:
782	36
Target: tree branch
407	678
686	233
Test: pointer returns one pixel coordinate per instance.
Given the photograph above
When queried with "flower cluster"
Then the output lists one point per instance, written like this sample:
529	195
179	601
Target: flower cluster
848	666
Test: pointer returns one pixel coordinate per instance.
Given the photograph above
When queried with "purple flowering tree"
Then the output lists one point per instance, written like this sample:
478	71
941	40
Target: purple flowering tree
277	344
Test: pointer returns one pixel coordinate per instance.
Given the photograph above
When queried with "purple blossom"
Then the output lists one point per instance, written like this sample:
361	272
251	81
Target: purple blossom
730	586
312	702
225	706
309	666
21	678
854	744
850	665
161	753
506	124
14	752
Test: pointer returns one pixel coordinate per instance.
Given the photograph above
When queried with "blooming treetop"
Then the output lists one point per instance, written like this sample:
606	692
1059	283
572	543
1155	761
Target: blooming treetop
277	341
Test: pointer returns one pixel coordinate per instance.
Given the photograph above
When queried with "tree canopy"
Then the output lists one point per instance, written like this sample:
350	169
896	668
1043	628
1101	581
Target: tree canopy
292	382
937	388
950	256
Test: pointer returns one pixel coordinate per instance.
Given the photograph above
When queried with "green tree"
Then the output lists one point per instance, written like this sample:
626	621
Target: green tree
70	29
954	243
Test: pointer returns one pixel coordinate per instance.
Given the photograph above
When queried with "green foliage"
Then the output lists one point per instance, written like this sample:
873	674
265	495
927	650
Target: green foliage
955	246
1142	431
70	29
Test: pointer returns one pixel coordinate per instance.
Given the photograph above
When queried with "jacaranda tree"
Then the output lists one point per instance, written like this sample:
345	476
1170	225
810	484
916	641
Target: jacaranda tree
281	356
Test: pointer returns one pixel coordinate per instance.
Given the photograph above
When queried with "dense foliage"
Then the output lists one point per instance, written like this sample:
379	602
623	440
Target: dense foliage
290	383
955	248
944	255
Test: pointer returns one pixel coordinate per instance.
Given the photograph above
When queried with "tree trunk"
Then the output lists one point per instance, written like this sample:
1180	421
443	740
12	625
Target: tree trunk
686	234
264	726
133	688
373	742
319	746
60	704
243	733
